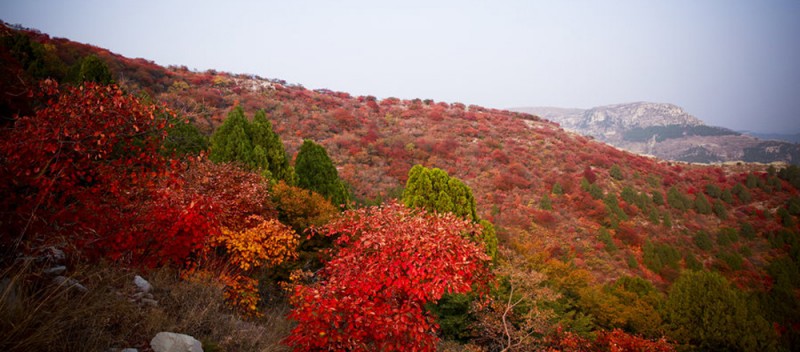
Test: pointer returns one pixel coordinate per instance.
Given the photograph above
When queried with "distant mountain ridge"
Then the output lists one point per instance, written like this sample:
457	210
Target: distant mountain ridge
668	132
783	137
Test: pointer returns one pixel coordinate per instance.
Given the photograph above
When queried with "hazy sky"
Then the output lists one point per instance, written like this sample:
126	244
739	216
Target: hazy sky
730	63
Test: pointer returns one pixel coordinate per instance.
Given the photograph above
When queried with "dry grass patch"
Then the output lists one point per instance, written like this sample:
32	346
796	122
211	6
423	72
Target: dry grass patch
36	315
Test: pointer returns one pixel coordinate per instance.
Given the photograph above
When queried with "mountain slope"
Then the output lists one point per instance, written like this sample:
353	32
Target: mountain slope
512	160
668	132
579	214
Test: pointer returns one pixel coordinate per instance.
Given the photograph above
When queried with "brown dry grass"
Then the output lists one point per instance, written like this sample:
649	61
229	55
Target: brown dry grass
36	315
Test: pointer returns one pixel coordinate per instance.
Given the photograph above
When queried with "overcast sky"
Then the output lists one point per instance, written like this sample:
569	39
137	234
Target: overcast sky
730	63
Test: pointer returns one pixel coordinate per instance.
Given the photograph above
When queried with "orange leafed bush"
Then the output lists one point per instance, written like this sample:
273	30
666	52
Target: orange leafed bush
300	208
260	243
268	243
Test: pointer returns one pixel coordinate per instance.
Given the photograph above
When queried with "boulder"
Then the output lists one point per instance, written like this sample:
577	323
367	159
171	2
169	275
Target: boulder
142	284
56	270
172	342
53	255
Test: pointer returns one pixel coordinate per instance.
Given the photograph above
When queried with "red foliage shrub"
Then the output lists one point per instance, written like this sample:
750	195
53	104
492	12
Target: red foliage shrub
543	217
628	235
589	175
390	263
84	166
612	341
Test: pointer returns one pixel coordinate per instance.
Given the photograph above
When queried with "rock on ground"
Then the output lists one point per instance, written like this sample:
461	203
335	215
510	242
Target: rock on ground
172	342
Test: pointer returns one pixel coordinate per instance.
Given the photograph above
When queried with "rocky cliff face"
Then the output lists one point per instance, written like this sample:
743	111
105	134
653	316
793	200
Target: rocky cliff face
668	132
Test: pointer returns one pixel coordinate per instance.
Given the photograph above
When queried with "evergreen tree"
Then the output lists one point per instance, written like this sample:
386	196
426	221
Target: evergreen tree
726	196
667	219
557	189
720	210
230	141
630	196
489	238
595	191
704	311
545	203
658	197
713	190
612	205
751	181
652	215
703	241
275	158
254	145
605	237
93	69
701	204
315	172
747	230
742	193
434	190
677	200
616	173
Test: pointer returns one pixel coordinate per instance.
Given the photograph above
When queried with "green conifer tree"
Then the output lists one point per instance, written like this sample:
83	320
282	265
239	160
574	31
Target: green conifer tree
616	173
230	141
557	189
545	203
434	190
706	312
275	159
315	172
93	69
701	204
720	210
254	145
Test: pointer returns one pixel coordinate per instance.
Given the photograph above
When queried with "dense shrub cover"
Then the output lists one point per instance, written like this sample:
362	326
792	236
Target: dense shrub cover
389	263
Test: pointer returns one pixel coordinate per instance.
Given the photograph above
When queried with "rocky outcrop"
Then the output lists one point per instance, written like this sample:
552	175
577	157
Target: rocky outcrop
667	132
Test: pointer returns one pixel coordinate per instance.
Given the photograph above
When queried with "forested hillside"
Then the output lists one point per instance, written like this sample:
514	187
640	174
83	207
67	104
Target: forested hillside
510	234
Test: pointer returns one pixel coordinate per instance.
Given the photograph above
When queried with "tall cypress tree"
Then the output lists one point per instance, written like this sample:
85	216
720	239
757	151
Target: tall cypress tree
230	141
254	144
315	172
275	155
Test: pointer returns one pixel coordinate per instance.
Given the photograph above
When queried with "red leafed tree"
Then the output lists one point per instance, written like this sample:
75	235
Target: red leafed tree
236	193
390	262
619	341
84	170
612	341
589	174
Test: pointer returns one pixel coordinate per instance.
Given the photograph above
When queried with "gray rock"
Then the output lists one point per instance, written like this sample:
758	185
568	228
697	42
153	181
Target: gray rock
142	284
172	342
56	270
70	283
54	255
129	350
